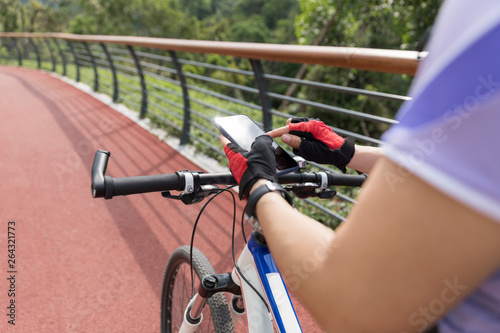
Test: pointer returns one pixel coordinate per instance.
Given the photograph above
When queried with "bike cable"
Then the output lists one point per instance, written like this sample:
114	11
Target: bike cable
232	243
243	226
234	258
191	245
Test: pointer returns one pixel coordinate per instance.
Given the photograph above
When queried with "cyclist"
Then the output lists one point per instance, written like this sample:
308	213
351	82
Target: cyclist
422	246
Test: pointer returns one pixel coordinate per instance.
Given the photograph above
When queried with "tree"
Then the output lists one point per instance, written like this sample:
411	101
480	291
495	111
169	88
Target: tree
246	8
388	24
9	14
155	18
277	10
34	16
200	9
392	24
252	29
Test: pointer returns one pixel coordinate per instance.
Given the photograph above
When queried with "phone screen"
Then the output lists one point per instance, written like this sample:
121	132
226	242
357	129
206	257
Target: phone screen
242	131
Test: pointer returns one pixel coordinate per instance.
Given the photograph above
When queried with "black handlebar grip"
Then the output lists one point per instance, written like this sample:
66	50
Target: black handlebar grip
346	180
98	170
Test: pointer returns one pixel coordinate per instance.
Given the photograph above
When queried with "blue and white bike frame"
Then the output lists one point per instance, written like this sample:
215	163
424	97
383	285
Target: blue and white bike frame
259	268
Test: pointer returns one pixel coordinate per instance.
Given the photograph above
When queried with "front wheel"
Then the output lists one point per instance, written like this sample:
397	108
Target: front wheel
176	294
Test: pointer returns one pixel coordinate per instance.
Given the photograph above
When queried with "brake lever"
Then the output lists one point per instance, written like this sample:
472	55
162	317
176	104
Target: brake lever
326	194
198	194
309	190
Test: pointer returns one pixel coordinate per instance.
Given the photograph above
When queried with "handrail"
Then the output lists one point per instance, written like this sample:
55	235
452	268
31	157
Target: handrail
388	61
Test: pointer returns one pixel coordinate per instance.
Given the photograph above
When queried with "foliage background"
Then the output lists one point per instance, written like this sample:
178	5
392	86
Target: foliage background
388	24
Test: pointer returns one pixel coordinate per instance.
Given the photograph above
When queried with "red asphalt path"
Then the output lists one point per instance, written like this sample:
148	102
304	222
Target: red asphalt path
83	264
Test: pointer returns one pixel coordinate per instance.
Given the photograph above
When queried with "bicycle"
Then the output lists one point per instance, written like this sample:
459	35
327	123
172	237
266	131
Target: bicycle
255	284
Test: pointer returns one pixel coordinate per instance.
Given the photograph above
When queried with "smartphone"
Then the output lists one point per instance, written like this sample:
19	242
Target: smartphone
242	131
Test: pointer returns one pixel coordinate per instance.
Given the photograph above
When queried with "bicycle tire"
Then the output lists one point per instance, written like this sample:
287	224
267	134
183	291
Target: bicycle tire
177	278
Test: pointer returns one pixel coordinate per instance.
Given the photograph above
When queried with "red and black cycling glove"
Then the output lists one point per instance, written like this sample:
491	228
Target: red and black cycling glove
249	166
320	144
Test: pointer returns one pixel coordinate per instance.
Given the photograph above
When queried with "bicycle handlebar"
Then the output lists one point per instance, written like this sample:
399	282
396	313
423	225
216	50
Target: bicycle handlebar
98	170
108	187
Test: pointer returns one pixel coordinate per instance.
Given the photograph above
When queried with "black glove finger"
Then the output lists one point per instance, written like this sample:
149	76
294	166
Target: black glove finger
300	119
261	164
262	141
236	149
319	152
264	161
314	150
302	134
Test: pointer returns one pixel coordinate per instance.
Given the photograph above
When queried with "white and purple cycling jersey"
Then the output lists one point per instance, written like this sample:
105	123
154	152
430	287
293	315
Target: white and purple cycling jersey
449	134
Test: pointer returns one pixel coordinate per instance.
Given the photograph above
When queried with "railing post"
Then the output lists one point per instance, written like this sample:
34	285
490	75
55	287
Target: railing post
52	58
96	75
267	117
186	128
144	104
113	71
4	44
19	57
38	60
61	53
77	63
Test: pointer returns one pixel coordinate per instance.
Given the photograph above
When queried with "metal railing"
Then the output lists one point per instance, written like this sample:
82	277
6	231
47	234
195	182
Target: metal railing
176	84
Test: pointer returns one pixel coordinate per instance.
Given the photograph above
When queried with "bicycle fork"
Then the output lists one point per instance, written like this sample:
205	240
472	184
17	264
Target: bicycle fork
210	285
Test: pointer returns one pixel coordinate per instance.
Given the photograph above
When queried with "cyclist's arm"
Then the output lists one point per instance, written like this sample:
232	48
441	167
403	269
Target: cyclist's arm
363	160
406	256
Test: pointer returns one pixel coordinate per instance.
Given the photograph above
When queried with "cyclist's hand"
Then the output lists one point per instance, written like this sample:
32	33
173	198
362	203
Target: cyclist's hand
248	167
316	142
